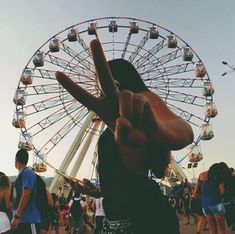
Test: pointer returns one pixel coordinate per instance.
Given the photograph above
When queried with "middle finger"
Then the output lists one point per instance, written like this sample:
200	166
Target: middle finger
102	69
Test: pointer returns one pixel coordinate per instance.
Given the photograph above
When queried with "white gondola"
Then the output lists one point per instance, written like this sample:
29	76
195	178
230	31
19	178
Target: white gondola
206	132
153	32
134	27
208	89
210	109
54	45
72	35
171	41
195	154
20	97
92	28
19	119
25	141
113	27
187	54
200	70
38	59
27	77
39	164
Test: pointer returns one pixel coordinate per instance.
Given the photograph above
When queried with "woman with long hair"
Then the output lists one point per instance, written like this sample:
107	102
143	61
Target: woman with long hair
212	192
141	132
5	204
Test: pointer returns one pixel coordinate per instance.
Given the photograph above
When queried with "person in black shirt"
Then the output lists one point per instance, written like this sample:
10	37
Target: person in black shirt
141	132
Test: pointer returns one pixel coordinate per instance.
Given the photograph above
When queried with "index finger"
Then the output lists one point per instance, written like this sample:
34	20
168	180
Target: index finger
102	69
78	92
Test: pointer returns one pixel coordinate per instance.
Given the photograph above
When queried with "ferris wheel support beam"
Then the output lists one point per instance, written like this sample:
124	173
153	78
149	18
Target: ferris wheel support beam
57	181
85	148
178	170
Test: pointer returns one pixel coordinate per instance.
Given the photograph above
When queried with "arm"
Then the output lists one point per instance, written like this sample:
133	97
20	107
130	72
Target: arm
196	192
8	203
221	189
26	193
50	199
7	199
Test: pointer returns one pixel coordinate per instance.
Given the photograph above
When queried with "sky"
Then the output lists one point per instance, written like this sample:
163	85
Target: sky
207	25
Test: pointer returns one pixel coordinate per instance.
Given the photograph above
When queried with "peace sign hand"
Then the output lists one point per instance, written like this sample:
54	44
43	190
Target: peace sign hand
133	118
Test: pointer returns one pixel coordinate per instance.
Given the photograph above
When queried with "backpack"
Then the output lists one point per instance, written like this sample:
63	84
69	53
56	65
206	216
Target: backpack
76	208
40	196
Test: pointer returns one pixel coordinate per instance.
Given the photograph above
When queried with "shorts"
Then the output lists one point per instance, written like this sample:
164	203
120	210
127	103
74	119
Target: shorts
217	209
45	221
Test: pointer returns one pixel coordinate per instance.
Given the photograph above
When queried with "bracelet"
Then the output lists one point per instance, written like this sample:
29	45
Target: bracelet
16	216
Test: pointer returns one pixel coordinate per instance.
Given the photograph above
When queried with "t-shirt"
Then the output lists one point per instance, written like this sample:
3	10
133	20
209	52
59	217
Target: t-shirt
99	210
26	179
128	195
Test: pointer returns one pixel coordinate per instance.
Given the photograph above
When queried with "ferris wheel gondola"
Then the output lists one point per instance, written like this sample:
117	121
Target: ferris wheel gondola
167	64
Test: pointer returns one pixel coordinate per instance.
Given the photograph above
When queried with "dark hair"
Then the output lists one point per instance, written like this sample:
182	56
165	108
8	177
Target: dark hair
225	170
4	182
22	156
2	173
127	76
158	162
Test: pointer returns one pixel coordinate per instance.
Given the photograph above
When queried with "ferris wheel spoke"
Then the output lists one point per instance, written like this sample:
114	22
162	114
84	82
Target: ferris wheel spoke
182	97
126	45
175	82
68	65
169	71
60	134
148	55
161	60
84	46
50	74
189	117
54	118
138	48
43	89
47	104
84	62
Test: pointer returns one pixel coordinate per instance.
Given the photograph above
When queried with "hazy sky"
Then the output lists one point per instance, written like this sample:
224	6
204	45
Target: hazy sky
207	25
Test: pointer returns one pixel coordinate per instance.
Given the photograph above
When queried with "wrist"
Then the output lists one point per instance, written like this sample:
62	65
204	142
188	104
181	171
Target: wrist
17	216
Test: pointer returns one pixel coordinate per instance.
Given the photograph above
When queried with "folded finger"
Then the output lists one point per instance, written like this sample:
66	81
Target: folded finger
103	71
126	104
139	102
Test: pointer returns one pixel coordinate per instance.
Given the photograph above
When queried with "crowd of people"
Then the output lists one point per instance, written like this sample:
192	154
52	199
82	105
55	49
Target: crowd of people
210	202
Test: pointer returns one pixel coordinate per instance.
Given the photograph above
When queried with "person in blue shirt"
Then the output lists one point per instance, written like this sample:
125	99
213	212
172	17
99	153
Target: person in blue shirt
26	217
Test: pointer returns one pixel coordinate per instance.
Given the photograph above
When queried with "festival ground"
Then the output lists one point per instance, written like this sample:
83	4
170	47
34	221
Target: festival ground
184	229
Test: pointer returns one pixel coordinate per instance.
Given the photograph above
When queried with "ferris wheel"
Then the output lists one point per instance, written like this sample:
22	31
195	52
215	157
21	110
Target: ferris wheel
56	127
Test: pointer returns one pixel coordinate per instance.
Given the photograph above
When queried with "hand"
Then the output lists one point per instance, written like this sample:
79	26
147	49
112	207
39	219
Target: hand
14	223
134	118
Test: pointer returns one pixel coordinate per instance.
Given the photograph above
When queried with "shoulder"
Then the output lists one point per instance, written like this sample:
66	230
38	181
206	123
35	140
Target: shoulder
28	172
28	178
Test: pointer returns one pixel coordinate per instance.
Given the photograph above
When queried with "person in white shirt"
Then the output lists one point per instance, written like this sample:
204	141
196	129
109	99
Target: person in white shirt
99	214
